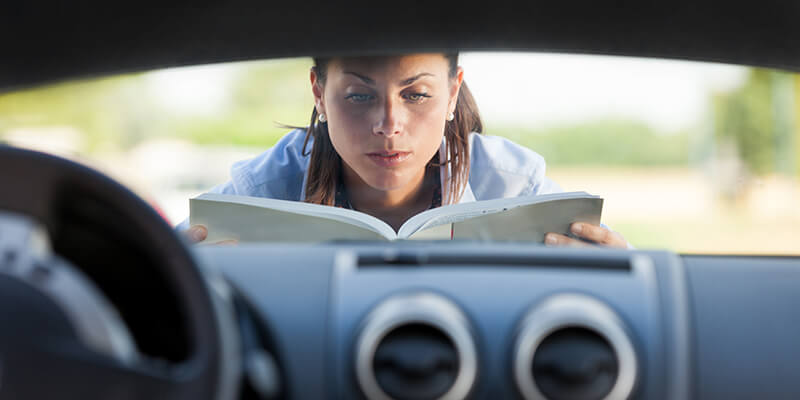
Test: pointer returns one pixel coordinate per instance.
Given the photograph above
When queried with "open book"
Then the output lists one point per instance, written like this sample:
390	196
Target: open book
257	219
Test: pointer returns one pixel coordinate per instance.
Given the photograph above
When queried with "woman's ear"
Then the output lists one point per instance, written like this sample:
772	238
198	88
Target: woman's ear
455	87
316	89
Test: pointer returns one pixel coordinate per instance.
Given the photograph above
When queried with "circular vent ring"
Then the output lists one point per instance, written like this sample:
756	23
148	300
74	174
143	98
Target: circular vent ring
423	308
565	311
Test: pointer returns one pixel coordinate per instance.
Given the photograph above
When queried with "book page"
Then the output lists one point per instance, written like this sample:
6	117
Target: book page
255	219
459	212
438	232
530	222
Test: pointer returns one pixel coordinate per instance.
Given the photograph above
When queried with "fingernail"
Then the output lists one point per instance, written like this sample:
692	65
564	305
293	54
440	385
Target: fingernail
577	228
198	234
550	239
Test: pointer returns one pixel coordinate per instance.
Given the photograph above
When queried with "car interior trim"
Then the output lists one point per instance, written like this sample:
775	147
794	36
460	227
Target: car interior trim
567	310
416	308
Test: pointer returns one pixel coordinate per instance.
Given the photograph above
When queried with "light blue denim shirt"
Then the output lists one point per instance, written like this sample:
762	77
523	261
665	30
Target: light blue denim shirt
498	168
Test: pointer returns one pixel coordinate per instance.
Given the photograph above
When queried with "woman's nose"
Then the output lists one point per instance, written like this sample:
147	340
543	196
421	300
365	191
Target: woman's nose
389	120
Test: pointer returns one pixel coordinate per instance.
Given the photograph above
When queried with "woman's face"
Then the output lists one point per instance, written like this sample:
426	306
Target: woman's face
386	116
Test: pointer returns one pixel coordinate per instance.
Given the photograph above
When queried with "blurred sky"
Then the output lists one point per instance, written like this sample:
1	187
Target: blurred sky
194	90
555	88
527	88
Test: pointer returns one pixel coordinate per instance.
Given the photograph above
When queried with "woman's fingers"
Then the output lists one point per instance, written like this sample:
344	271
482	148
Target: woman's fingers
589	232
199	233
598	234
555	239
228	242
196	233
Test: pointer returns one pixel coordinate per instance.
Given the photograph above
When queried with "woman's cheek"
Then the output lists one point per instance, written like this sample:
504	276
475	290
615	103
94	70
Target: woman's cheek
352	123
345	143
343	122
430	124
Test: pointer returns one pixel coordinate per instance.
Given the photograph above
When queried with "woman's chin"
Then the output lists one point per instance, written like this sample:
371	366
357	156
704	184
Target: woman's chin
387	186
387	183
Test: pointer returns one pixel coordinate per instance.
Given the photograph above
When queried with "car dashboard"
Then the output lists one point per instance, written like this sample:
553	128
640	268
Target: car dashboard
479	320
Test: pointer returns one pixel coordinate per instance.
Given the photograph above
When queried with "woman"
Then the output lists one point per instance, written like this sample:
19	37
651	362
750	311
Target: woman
394	136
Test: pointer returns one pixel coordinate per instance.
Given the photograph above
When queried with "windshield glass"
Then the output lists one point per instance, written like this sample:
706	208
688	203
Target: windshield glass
687	156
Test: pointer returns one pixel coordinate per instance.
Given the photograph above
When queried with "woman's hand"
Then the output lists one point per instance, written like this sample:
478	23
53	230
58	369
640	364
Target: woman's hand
199	233
196	233
592	234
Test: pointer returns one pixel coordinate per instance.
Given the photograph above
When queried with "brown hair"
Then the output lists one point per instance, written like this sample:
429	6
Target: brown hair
325	165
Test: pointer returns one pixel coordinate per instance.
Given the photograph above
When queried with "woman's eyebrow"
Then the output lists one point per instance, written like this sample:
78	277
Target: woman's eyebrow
366	79
413	79
404	82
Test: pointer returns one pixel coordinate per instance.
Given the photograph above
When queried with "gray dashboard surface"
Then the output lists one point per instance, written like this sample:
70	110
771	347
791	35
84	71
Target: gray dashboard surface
289	288
746	320
702	327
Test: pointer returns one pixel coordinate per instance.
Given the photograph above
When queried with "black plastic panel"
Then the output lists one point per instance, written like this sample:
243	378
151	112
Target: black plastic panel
46	41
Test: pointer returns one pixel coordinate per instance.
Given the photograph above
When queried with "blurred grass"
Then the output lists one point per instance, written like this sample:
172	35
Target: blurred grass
678	209
731	234
601	142
236	131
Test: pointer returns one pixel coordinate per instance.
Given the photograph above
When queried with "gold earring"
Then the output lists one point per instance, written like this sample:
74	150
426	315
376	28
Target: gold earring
322	118
451	116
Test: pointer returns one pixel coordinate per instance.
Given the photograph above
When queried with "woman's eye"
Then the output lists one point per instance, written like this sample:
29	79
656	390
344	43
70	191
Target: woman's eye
358	98
417	97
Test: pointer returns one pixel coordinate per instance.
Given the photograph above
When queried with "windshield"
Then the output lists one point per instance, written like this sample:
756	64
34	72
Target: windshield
686	156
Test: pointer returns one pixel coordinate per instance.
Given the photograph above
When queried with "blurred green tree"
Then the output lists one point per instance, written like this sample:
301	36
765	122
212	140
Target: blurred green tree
263	95
796	128
757	119
610	142
108	111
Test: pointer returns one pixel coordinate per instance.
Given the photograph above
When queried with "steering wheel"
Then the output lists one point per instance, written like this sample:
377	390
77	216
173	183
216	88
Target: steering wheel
99	297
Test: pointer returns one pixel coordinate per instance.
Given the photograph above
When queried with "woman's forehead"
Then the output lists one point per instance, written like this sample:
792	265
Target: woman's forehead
392	65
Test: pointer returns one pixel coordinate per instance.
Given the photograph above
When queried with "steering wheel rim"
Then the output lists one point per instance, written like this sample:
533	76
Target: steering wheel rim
37	184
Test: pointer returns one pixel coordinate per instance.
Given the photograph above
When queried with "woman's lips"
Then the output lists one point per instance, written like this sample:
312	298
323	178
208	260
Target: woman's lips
389	158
